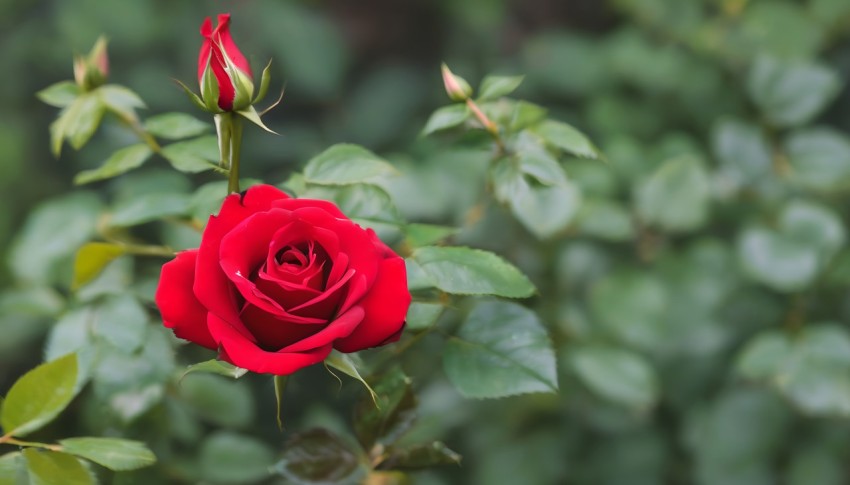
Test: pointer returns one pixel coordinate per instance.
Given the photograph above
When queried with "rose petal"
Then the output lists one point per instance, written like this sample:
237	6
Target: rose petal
385	308
337	329
181	311
324	205
273	333
241	352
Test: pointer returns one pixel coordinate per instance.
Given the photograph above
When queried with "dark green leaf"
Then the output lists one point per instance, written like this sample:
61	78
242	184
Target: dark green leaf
501	350
493	87
225	402
319	457
216	366
91	259
820	158
55	468
193	156
618	375
149	207
227	457
420	457
122	161
743	150
791	93
418	235
468	271
39	396
394	414
421	316
446	117
565	137
175	126
345	164
122	321
113	453
60	94
631	305
417	279
676	197
606	220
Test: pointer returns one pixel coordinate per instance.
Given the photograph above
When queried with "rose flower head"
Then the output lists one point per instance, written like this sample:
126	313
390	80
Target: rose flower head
224	74
279	282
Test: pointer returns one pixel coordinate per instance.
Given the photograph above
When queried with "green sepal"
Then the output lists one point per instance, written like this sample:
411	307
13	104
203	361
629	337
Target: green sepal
279	387
210	92
196	100
251	115
265	81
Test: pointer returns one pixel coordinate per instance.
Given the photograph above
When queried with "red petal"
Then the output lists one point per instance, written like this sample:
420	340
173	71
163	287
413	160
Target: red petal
385	307
339	328
181	311
222	35
242	352
273	333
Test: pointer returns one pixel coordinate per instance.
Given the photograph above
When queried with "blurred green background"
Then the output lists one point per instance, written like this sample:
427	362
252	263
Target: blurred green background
716	292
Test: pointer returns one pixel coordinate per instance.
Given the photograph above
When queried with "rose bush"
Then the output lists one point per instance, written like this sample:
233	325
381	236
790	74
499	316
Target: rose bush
278	282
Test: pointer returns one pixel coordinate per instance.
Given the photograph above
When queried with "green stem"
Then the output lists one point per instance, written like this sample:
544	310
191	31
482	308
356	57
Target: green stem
223	127
489	125
7	439
138	129
235	149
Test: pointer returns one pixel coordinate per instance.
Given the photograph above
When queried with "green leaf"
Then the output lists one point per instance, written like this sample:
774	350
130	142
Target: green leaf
419	457
12	468
364	203
394	414
421	316
194	98
618	375
120	99
319	457
820	158
121	161
605	219
417	279
113	453
216	366
193	156
631	305
60	94
345	164
227	457
39	396
348	364
526	114
418	235
55	468
676	197
91	259
250	114
175	126
225	402
502	349
446	117
77	122
493	87
149	207
542	167
791	93
122	321
565	137
743	150
466	271
812	369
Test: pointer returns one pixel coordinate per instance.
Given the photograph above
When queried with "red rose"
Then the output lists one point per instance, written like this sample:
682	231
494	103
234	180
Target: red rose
277	283
223	72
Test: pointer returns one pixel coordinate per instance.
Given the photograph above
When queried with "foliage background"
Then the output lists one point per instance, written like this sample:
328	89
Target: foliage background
697	303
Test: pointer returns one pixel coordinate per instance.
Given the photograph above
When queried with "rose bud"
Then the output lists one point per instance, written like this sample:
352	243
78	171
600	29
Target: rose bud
91	71
223	72
456	87
277	283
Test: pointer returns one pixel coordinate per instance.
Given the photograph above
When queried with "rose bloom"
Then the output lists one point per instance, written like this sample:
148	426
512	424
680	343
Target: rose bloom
223	71
278	282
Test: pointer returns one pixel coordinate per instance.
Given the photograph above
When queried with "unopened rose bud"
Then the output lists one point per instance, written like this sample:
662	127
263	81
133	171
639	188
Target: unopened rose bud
224	74
91	71
456	87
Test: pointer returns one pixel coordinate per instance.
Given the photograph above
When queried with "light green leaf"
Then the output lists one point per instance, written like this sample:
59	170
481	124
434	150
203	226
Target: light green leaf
820	158
55	468
79	121
631	305
743	150
565	137
193	156
493	87
215	366
250	114
345	164
502	349
468	271
12	469
791	93
542	167
39	396
175	126
120	99
606	220
121	161
676	197
113	453
417	279
60	94
91	259
421	316
812	369
122	321
618	375
445	118
149	207
227	457
418	235
526	114
348	365
319	457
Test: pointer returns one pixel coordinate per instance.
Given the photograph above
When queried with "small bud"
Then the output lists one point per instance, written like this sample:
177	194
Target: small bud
91	71
456	87
224	74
